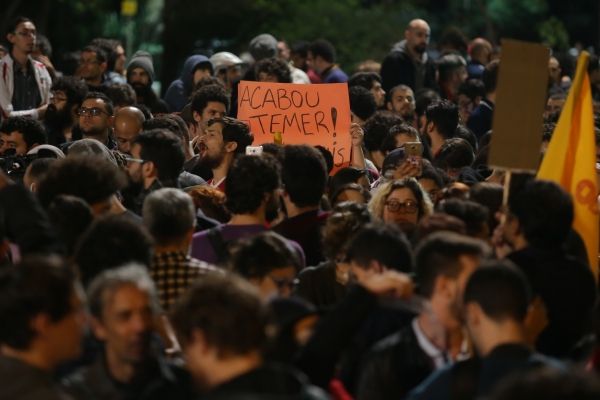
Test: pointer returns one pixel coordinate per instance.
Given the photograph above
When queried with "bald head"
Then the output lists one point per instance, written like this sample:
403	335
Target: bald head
417	36
128	124
480	50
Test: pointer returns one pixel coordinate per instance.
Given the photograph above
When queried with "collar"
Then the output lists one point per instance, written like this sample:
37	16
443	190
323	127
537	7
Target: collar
438	356
18	67
214	184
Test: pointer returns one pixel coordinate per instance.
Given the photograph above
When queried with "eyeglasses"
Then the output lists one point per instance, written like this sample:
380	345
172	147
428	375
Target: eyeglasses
27	33
408	207
92	112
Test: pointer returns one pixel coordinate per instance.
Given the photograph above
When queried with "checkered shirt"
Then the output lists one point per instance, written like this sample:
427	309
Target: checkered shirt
173	273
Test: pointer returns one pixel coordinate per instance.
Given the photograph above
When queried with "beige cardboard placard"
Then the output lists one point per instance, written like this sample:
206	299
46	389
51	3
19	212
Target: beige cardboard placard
520	102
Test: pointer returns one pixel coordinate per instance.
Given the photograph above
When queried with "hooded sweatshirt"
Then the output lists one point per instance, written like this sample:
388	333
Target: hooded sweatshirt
180	89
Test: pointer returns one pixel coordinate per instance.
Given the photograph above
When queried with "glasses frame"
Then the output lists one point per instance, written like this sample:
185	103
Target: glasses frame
91	112
404	208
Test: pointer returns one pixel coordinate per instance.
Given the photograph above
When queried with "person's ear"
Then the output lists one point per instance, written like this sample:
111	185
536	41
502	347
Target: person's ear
388	105
98	329
230	147
473	314
111	121
149	169
10	37
197	116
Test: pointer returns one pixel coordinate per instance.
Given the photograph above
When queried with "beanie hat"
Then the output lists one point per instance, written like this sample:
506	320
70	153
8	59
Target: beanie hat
263	46
142	59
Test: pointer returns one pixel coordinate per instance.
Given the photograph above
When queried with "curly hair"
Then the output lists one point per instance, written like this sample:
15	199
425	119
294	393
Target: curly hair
208	93
275	67
249	179
92	178
33	132
379	198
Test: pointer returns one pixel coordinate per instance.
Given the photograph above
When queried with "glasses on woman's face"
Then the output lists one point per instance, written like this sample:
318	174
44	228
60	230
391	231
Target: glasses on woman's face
407	207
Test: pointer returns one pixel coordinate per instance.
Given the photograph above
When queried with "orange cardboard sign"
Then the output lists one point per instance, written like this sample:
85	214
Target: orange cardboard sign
298	114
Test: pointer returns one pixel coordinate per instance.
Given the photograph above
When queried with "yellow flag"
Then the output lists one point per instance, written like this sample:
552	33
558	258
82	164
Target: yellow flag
570	159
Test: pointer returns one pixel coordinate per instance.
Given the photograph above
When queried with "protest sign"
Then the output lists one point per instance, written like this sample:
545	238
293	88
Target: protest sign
298	114
520	102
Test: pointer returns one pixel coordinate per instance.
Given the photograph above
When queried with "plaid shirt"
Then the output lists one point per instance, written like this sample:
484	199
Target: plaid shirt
173	273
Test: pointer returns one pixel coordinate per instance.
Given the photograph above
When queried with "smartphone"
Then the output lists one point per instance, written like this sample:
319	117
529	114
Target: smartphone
254	150
413	149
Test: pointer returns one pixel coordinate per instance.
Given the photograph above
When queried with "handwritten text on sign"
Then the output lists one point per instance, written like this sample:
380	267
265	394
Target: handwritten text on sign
304	114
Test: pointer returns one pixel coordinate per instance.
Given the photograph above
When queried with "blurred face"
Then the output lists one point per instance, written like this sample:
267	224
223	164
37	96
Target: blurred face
134	168
213	109
126	324
432	188
139	77
350	195
316	63
417	36
126	130
554	70
279	283
401	208
13	140
403	102
465	107
23	38
66	334
378	93
200	74
58	113
120	61
94	119
264	77
90	68
283	50
554	106
234	73
299	61
213	147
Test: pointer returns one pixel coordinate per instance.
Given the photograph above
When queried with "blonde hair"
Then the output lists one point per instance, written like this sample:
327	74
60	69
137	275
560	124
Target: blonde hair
379	198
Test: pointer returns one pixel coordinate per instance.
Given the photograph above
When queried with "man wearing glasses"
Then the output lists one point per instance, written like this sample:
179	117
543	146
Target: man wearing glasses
24	83
92	67
96	119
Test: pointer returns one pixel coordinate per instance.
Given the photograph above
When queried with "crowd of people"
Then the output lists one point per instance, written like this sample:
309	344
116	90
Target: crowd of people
145	255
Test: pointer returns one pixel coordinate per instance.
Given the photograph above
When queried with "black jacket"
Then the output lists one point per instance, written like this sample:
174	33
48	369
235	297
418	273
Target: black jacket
270	381
568	290
396	365
399	68
473	378
160	380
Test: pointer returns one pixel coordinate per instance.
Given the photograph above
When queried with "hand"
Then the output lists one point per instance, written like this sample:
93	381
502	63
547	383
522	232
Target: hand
357	134
501	247
410	168
392	283
42	111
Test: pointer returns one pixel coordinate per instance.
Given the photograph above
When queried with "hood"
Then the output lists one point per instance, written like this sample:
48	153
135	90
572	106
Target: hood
188	67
